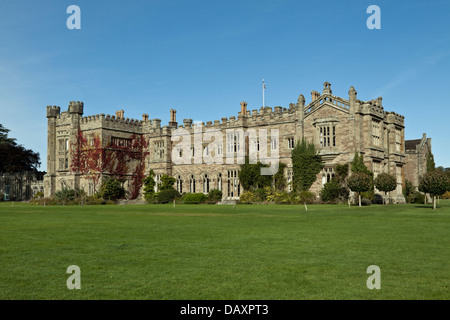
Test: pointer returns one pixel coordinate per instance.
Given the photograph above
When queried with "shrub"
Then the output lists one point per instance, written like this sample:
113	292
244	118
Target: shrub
38	194
70	196
215	195
366	202
2	196
167	195
303	197
416	197
260	195
194	198
44	201
247	197
333	192
446	195
112	189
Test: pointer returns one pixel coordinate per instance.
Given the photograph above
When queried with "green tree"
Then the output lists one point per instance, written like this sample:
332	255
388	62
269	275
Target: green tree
306	164
360	182
167	182
386	183
435	183
250	176
357	165
14	157
431	165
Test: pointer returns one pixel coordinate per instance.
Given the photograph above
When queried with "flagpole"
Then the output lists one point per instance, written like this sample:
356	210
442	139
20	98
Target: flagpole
264	89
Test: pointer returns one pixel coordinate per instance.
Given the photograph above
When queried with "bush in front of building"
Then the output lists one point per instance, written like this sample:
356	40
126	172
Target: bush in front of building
2	197
167	195
333	192
194	198
214	196
112	189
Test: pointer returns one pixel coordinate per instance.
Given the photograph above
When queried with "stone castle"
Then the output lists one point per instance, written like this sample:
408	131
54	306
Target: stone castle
339	127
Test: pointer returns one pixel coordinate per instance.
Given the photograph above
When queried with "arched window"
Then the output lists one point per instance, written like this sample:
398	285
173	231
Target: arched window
192	184
219	182
179	184
205	184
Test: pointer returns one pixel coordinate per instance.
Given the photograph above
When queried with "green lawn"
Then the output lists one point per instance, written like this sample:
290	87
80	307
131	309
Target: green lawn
224	252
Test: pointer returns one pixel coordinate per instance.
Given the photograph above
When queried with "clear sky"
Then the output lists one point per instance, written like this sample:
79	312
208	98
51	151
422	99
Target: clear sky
203	58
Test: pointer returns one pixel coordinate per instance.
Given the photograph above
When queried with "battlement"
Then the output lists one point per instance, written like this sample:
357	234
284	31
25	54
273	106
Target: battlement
76	107
53	111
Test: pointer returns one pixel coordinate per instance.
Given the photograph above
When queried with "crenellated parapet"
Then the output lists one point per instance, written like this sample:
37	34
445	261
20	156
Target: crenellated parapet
76	107
53	111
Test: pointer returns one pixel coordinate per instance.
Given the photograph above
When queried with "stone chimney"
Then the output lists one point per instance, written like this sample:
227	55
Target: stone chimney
380	101
327	88
120	114
314	95
243	108
173	118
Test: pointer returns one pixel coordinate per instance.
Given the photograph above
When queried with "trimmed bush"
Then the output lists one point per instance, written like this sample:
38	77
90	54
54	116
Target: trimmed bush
366	202
167	195
194	198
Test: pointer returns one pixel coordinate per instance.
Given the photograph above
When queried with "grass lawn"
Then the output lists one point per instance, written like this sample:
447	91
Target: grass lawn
220	252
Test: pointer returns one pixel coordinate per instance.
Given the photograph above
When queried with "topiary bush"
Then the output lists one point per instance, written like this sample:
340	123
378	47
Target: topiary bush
366	202
194	198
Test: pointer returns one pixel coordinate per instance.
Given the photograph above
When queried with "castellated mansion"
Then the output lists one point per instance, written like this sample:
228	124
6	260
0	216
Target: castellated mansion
339	127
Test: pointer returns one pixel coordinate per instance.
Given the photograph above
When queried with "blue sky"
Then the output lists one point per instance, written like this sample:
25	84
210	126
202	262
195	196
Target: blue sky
203	58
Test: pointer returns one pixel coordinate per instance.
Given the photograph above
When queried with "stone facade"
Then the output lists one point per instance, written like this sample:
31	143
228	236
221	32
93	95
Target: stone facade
21	186
339	127
417	152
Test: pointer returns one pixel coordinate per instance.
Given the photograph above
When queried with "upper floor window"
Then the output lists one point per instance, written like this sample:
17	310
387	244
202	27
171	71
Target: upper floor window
290	143
398	139
159	150
327	136
376	133
233	142
118	142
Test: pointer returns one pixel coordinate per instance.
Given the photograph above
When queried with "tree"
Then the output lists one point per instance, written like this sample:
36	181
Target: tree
357	165
435	183
250	176
386	183
360	182
14	157
306	164
430	162
167	182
